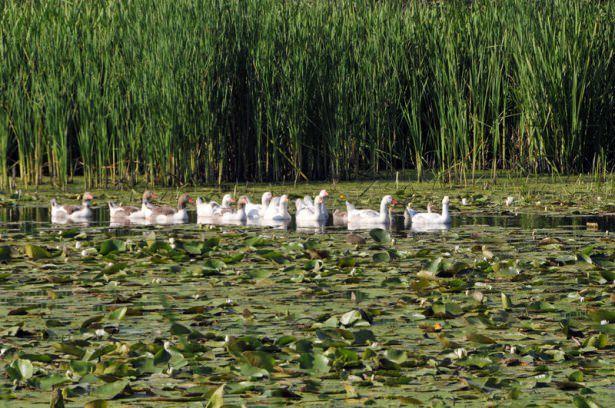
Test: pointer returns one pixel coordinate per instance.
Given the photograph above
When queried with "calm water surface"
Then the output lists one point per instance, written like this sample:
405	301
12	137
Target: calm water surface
27	219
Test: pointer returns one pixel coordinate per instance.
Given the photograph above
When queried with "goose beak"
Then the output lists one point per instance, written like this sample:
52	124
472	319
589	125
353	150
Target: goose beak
394	202
191	200
154	195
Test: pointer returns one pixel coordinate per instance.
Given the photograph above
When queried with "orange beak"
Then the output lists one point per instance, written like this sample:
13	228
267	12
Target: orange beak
394	202
191	200
232	200
154	195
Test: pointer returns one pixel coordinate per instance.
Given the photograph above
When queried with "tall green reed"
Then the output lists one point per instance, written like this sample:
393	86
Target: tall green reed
206	91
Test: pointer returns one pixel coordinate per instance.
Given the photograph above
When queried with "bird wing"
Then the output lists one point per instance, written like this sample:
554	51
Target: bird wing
164	210
72	208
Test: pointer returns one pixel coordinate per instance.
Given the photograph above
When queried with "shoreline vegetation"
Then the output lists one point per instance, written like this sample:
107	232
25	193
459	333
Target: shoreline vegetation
208	91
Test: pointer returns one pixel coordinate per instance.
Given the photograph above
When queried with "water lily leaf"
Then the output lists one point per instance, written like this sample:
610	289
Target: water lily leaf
600	315
217	398
608	275
351	317
81	367
281	393
396	356
541	306
584	402
41	358
117	314
315	362
111	245
258	274
51	381
20	370
260	359
211	243
576	376
381	257
214	265
110	390
380	235
478	361
36	252
362	337
346	262
178	329
101	351
314	265
69	349
254	373
479	338
234	259
114	268
162	357
88	322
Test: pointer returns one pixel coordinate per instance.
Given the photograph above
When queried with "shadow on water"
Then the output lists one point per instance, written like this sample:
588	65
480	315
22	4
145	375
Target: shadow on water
27	219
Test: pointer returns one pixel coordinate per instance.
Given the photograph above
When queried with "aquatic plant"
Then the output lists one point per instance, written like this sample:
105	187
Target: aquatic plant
193	91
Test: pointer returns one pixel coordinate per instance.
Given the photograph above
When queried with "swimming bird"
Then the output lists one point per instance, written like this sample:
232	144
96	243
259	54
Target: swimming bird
167	214
73	212
210	209
308	203
309	215
340	218
254	211
132	212
429	217
234	215
356	216
318	210
278	209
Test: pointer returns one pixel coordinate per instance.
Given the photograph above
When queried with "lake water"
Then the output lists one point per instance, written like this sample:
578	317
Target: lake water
26	218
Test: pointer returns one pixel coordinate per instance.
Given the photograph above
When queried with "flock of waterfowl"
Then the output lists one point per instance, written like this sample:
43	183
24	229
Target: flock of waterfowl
271	210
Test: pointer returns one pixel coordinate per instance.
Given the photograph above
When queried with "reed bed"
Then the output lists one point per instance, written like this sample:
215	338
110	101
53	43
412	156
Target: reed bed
206	91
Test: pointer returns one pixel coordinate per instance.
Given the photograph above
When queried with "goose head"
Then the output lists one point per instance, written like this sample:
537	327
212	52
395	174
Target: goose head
241	203
87	198
388	201
445	200
227	200
267	196
284	200
148	196
183	201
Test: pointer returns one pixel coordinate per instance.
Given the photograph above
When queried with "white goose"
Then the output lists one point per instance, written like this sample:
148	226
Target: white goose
278	209
323	213
167	214
429	217
310	216
72	212
231	215
409	212
370	216
132	212
255	211
212	208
